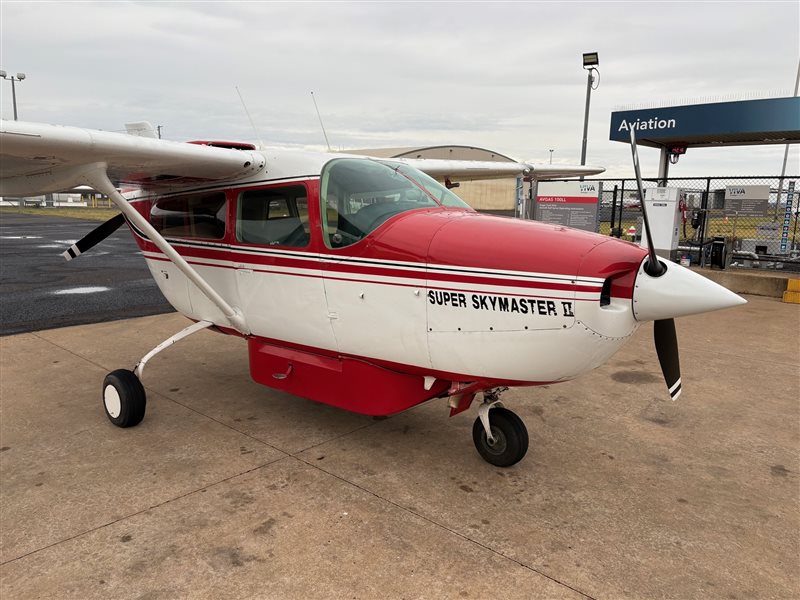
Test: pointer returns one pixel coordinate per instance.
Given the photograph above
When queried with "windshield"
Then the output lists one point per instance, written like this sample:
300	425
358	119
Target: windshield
358	195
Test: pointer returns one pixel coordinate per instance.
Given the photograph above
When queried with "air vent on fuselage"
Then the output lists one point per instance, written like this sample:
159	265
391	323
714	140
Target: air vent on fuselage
605	293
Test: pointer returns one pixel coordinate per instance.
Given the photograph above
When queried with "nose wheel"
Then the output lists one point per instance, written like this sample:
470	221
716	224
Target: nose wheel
500	436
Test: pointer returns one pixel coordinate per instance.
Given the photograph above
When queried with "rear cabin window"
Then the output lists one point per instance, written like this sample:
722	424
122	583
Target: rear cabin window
274	217
200	215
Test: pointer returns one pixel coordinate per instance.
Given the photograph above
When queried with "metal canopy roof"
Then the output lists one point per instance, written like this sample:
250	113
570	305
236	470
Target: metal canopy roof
769	121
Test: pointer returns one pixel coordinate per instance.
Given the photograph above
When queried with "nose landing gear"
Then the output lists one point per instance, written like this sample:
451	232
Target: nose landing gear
500	436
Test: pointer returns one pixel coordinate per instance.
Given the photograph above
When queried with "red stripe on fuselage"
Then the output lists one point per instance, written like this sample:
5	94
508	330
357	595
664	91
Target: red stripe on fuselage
328	277
330	266
438	247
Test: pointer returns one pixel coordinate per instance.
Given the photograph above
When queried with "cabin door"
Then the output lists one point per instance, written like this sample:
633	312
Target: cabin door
279	278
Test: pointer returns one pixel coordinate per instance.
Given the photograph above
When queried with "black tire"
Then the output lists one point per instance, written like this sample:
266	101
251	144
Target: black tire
511	438
124	399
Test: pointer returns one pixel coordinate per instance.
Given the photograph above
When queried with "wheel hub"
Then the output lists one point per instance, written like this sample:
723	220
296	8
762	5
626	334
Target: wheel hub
498	446
112	401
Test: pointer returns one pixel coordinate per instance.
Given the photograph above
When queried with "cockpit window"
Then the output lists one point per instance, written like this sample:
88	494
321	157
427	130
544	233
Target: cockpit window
276	216
358	195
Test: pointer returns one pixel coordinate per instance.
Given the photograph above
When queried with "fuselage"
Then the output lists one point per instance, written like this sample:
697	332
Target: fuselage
439	291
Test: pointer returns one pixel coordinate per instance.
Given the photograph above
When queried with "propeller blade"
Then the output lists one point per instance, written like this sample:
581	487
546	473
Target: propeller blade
667	349
94	237
653	268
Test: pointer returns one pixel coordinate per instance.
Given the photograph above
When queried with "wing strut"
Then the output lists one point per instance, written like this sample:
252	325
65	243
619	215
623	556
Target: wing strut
97	178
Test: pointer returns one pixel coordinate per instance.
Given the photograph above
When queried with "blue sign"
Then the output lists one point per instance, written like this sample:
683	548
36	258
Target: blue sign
773	120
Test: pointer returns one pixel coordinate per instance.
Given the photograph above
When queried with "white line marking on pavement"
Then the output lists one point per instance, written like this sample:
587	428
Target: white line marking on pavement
82	290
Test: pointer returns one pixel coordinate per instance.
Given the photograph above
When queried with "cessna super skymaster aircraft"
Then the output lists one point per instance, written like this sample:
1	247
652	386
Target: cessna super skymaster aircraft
361	282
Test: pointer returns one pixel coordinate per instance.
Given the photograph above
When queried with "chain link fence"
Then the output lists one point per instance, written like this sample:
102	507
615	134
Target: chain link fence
715	228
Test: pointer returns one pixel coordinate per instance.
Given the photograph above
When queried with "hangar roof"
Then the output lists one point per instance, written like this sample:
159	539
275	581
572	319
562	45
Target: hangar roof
439	152
768	121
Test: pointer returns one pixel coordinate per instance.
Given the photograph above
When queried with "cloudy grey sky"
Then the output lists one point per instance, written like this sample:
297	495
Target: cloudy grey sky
502	75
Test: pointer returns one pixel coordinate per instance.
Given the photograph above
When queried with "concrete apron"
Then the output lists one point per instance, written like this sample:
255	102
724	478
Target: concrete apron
228	489
754	282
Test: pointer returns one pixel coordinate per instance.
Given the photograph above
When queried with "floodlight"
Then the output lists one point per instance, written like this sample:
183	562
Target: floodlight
591	60
19	77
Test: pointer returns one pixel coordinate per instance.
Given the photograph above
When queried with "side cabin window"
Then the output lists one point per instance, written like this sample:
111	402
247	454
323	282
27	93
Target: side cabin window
197	215
357	195
274	217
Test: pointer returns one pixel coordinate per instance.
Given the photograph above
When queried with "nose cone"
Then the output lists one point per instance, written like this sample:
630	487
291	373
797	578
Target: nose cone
676	293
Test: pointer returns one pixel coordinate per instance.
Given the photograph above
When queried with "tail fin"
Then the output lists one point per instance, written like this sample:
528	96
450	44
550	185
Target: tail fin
141	129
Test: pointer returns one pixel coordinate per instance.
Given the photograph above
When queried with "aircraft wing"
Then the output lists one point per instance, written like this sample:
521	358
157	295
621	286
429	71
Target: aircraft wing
37	158
563	171
471	170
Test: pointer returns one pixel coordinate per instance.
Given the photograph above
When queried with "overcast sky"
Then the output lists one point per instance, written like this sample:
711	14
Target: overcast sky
506	76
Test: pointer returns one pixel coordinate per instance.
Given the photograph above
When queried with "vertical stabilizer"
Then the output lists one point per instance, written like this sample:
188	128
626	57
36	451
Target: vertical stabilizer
141	129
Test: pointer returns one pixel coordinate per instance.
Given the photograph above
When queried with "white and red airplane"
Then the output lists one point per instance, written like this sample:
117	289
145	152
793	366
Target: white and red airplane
364	283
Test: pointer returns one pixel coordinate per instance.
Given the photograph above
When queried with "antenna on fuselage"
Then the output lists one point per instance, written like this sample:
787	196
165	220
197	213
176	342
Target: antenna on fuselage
327	143
247	112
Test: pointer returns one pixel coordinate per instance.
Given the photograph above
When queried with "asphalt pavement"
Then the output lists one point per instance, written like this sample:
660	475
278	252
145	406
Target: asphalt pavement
41	290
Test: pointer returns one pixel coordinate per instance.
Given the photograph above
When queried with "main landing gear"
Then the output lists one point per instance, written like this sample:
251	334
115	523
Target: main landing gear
124	398
500	435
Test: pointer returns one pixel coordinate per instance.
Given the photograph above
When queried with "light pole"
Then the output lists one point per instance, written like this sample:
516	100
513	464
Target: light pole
551	155
19	77
590	62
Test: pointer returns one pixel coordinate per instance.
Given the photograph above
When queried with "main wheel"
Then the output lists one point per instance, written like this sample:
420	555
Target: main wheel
124	399
510	435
